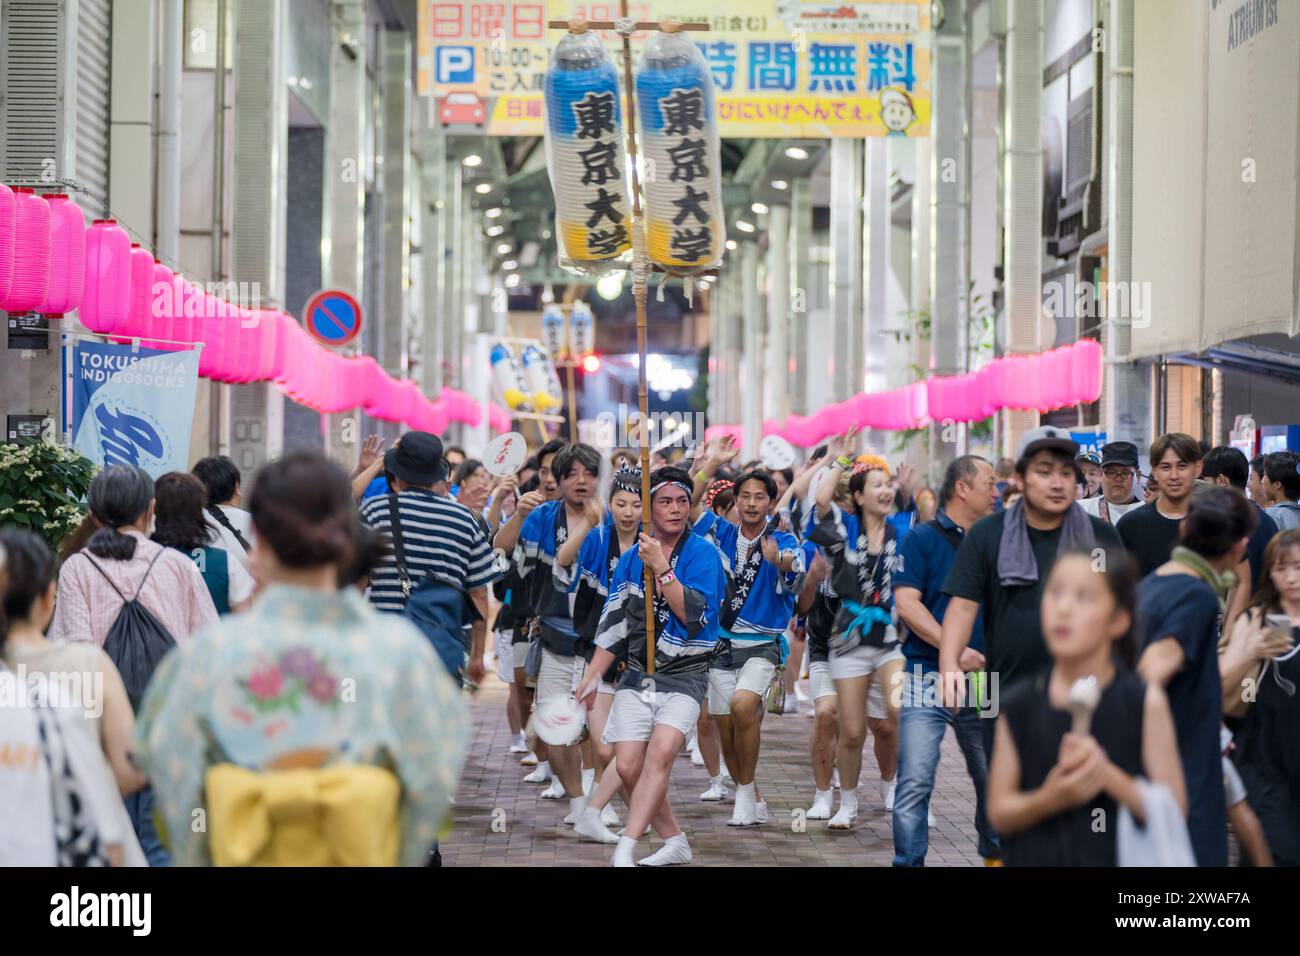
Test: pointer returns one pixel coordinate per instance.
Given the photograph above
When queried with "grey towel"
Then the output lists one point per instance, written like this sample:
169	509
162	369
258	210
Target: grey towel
1016	564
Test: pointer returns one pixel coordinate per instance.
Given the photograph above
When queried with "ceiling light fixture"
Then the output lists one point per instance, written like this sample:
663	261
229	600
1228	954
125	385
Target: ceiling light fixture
473	159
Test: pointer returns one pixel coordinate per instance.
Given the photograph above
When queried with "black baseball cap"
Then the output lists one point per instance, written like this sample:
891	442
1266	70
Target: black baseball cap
1119	453
417	459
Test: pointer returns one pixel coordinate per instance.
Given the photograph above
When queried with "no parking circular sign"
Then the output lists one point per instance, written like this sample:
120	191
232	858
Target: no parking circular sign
333	317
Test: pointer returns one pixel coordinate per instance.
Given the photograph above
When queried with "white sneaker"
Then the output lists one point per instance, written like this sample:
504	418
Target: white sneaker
675	852
760	812
590	826
799	694
887	789
746	812
555	791
609	816
821	805
518	746
527	760
697	758
541	775
715	792
648	830
791	705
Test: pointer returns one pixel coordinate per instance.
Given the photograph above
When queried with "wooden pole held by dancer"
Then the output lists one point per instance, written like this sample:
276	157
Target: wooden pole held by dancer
639	270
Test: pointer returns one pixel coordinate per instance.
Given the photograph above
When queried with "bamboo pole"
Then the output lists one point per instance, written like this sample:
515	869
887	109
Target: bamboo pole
639	294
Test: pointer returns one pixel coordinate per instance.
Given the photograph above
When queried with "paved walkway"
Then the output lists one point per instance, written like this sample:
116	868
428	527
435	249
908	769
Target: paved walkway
501	821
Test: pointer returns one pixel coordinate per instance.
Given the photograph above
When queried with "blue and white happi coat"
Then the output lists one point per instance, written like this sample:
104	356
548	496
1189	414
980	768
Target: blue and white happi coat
682	647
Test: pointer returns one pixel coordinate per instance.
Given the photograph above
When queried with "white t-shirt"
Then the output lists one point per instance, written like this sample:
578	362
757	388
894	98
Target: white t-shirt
239	581
243	522
1093	507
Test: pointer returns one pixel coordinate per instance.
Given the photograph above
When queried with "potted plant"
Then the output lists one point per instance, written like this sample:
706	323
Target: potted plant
42	487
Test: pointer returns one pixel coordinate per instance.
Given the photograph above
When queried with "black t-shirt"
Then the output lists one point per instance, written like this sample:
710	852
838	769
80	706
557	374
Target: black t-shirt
1183	607
1072	837
1013	633
1149	536
1259	540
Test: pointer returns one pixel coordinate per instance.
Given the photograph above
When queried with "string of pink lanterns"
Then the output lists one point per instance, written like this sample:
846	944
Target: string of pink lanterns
52	264
1068	375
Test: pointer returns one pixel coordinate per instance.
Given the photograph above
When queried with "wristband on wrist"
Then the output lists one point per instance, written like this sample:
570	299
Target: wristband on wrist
844	462
667	578
700	475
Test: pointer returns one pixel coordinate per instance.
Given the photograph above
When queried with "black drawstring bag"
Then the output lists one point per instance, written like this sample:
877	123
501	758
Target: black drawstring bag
137	641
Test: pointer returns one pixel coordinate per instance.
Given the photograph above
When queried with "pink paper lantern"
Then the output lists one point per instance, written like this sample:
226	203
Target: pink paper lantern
162	302
8	211
139	311
498	419
1087	363
31	260
942	397
107	294
268	329
985	392
67	256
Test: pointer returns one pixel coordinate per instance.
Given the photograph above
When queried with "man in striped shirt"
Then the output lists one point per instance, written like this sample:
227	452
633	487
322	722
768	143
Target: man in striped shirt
440	536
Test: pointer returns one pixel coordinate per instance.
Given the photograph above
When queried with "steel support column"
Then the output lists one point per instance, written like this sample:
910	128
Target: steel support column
846	363
1126	412
776	391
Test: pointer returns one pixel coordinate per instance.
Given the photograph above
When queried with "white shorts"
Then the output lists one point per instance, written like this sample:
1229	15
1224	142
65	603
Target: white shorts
634	716
819	680
505	652
559	676
1234	788
754	676
863	661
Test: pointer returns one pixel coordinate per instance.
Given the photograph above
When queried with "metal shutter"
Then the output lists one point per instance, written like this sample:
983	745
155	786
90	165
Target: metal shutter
94	32
31	89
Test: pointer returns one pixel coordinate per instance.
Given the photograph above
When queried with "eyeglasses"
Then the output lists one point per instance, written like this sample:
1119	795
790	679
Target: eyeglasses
1114	475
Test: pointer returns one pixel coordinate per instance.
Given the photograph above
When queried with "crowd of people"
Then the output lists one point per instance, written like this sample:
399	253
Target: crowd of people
1104	645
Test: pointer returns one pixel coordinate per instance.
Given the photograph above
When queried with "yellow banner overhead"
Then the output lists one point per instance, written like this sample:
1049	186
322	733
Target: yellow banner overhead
782	68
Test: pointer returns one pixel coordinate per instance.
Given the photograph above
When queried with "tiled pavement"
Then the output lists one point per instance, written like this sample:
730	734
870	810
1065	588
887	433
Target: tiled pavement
501	821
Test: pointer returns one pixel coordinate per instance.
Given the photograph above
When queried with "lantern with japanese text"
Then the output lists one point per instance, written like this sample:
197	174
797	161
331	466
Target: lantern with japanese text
586	156
685	222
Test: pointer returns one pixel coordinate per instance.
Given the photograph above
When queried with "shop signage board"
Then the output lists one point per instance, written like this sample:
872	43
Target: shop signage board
782	68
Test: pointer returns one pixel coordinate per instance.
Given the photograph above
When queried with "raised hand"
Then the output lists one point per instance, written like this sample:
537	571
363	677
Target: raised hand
372	449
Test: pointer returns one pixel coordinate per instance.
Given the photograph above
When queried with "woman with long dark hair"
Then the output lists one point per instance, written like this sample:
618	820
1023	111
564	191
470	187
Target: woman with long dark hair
310	678
180	523
1260	673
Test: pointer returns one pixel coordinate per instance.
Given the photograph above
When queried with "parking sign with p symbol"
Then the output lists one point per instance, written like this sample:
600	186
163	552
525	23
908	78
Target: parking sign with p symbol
454	64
